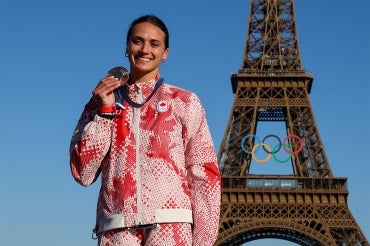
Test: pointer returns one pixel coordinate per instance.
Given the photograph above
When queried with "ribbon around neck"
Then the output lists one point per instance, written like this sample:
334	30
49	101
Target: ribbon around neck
135	104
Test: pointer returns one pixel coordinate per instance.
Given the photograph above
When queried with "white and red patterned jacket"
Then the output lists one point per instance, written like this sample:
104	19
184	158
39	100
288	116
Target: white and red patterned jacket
157	162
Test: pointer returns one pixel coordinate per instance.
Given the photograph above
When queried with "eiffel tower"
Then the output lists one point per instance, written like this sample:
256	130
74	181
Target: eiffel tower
309	205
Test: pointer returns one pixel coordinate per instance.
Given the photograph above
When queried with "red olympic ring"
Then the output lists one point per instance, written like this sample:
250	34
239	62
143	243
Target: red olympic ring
300	144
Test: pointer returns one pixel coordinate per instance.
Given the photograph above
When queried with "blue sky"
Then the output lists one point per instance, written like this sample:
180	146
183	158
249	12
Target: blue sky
53	52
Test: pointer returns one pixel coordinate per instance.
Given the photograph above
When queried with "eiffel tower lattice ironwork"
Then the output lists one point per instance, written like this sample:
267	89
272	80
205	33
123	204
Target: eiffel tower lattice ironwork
309	205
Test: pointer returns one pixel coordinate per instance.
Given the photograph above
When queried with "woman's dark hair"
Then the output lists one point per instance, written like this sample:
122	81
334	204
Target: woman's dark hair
153	20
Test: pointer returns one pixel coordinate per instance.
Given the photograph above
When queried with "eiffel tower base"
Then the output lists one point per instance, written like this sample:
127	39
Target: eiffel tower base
306	214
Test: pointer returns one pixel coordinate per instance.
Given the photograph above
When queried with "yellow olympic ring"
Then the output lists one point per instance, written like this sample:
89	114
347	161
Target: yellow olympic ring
268	151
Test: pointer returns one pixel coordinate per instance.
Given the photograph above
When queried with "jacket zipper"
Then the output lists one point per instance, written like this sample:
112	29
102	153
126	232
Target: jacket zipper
137	145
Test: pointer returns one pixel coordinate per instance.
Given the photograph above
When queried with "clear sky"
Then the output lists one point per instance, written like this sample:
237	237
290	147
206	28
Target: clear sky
53	53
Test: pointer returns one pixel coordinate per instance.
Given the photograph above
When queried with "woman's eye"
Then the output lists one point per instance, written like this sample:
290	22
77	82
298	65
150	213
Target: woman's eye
136	41
155	44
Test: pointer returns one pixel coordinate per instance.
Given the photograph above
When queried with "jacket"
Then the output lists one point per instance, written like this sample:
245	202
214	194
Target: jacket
157	162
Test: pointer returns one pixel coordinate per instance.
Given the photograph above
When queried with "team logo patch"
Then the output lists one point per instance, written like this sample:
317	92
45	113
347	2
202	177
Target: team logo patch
162	106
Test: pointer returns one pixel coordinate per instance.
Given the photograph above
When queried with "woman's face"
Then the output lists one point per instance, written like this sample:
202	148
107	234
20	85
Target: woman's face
146	50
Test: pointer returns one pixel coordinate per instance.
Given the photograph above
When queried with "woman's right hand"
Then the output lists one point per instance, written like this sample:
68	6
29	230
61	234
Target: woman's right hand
103	92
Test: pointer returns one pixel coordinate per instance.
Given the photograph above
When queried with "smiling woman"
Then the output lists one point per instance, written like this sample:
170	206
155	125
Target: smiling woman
153	150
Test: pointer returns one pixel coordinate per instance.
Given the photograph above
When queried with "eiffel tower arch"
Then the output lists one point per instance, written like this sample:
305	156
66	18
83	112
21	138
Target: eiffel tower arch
309	205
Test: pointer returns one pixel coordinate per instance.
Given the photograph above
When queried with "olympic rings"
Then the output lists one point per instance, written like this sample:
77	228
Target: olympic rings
287	148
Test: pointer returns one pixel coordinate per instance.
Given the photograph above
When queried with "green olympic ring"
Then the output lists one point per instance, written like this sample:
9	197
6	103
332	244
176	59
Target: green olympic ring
287	148
276	159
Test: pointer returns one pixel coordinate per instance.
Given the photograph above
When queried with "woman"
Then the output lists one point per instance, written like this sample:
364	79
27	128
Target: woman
160	181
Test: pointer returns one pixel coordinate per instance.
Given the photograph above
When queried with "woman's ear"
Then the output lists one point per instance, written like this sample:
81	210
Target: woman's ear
165	54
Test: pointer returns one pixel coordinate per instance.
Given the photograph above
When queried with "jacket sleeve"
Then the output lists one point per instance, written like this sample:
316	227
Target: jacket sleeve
204	178
89	145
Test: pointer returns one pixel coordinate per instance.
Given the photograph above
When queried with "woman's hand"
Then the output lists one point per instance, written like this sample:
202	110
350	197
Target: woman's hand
103	92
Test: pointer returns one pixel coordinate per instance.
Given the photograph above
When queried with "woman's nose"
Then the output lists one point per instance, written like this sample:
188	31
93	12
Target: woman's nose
144	47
